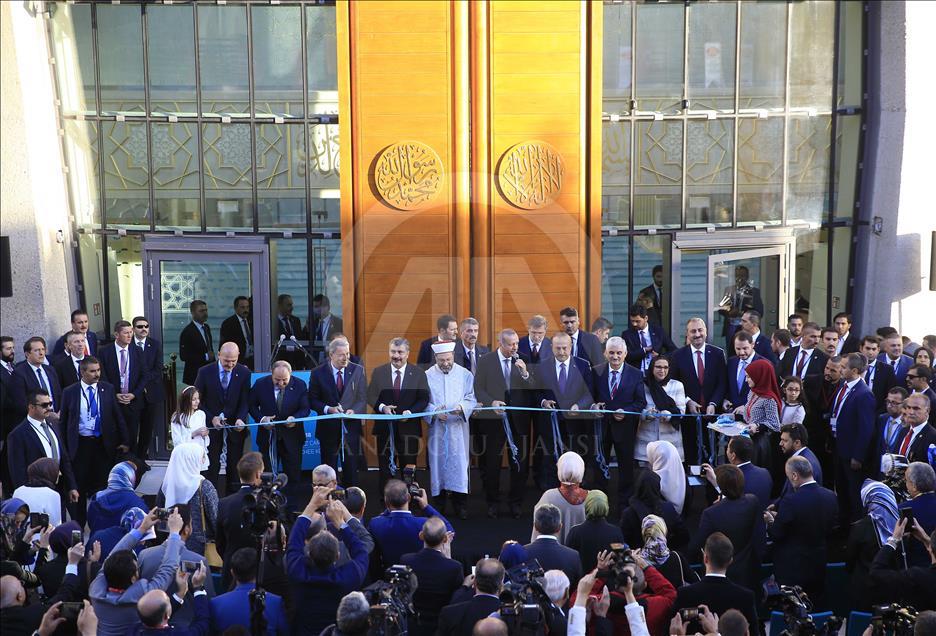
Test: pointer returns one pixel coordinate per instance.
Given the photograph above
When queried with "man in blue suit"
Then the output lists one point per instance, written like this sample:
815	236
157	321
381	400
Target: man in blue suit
617	387
888	431
564	383
750	324
80	324
757	480
339	386
535	345
894	357
738	388
852	425
224	388
396	530
793	443
702	370
123	367
233	608
438	575
585	345
277	397
644	341
33	374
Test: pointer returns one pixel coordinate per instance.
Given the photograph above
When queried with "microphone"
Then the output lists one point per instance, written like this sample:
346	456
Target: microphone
514	358
302	349
281	480
283	337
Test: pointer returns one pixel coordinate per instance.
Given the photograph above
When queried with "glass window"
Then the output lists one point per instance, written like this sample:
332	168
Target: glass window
326	272
762	67
847	139
277	60
615	173
841	272
615	280
659	57
850	55
126	175
73	48
289	274
227	162
808	146
812	275
322	60
651	285
120	37
171	45
124	278
617	56
175	175
812	54
81	152
712	56
323	177
657	191
280	176
90	258
760	170
222	59
709	160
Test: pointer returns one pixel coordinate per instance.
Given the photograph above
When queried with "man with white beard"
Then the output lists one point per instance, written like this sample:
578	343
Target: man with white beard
450	387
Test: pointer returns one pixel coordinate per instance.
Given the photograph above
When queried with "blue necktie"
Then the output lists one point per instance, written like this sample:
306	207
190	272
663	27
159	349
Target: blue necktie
563	377
45	385
225	379
93	411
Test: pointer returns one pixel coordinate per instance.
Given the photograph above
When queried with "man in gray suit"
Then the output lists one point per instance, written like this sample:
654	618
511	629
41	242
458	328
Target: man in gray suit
114	592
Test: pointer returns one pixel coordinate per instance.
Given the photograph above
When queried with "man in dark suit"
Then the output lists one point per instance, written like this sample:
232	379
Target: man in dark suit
879	377
230	534
438	575
702	369
10	411
397	388
467	349
750	324
224	389
920	481
800	526
277	397
123	367
757	480
152	413
644	340
584	344
829	341
738	388
888	430
715	590
237	328
894	357
848	342
196	347
396	531
535	345
617	387
35	438
914	585
67	365
780	343
35	373
79	323
340	387
916	434
447	327
322	326
459	619
94	430
289	326
793	443
737	299
654	293
563	383
552	555
852	422
503	379
918	381
806	359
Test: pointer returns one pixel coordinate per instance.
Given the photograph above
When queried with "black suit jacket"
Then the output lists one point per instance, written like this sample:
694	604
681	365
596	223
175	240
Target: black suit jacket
881	382
758	482
438	578
921	443
489	385
544	352
91	337
335	325
192	351
425	358
66	371
261	402
231	332
323	392
720	595
851	344
414	396
588	348
459	619
629	396
804	521
659	340
591	537
11	413
24	447
552	555
138	373
229	536
762	346
714	389
153	366
815	366
24	380
113	428
742	521
461	355
215	400
578	386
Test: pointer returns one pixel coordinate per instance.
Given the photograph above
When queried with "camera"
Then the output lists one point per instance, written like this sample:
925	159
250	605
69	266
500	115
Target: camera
617	575
409	475
894	467
524	602
337	494
190	566
38	520
162	514
690	613
391	601
76	537
264	504
70	611
894	619
796	606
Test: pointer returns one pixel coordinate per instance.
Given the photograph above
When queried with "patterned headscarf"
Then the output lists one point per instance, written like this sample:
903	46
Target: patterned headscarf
122	477
881	504
653	531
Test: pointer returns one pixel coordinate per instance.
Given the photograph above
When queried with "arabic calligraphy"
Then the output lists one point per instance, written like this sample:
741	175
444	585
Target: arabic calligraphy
408	174
530	174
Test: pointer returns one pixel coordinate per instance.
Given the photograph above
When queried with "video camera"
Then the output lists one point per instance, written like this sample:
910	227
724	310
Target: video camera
409	478
391	601
894	468
264	504
617	575
524	602
895	619
796	606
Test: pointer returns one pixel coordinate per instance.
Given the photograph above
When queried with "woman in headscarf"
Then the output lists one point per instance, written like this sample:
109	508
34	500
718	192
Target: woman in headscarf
109	537
665	462
648	500
660	555
39	492
569	497
595	534
106	507
762	414
51	561
866	537
184	484
512	554
665	397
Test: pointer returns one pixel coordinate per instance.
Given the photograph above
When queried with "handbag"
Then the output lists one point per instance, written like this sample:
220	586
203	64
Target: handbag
211	548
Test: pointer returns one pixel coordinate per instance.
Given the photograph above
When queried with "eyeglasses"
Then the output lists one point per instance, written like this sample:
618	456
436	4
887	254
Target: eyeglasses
892	403
44	405
141	326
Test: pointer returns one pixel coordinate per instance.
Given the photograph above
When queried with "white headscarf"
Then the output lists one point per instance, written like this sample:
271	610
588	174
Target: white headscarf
664	460
183	474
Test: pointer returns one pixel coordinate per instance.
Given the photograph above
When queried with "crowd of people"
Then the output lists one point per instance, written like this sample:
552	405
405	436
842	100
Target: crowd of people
826	446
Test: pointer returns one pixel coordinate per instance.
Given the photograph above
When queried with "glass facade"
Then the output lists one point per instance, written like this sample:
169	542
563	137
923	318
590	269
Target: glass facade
205	119
725	115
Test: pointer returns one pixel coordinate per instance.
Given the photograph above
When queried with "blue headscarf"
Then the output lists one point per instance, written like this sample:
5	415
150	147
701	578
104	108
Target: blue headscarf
512	555
122	477
132	519
12	506
881	504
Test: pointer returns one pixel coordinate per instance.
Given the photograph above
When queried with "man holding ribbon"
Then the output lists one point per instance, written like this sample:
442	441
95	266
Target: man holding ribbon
450	389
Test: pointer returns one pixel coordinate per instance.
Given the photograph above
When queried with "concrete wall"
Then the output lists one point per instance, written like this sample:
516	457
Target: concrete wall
892	268
33	197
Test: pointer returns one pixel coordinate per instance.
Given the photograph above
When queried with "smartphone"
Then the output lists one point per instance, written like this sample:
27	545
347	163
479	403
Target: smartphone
70	611
695	470
162	514
473	568
76	537
38	520
907	513
190	566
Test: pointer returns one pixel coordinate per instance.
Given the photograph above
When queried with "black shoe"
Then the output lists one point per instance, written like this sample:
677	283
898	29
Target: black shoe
515	511
492	511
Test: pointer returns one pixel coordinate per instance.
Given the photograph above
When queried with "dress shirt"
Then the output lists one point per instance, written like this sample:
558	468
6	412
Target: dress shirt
85	423
893	425
324	323
743	464
344	378
393	373
548	536
645	341
567	363
8	366
575	343
795	342
77	363
720	575
805	360
140	343
916	431
45	378
742	365
117	350
797	453
841	343
849	387
46	442
611	372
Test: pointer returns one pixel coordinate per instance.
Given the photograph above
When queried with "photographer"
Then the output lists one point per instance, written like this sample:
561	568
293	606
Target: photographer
155	607
915	585
593	609
233	608
318	582
438	575
230	535
459	619
353	617
396	530
86	624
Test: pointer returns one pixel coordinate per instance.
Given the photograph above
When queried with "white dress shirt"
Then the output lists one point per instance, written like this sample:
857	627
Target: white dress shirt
43	438
85	423
393	373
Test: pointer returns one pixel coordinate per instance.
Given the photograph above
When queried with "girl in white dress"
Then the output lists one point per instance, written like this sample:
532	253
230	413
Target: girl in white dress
188	422
792	411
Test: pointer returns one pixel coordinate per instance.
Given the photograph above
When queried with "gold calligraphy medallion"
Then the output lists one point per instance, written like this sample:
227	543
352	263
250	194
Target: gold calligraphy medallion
530	174
408	174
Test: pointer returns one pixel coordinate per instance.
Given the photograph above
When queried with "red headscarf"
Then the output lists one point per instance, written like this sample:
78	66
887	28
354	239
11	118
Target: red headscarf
765	382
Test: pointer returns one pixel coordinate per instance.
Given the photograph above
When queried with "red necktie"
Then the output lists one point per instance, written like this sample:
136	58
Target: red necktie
906	443
700	373
614	383
339	383
801	364
838	400
396	385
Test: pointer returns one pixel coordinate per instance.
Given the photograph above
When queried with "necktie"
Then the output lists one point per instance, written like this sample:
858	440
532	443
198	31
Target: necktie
839	399
52	445
247	337
563	377
124	380
287	330
141	345
894	364
471	361
801	363
895	432
87	350
507	373
700	368
42	382
741	366
339	381
279	401
574	346
644	341
397	382
614	383
905	445
225	379
93	411
535	353
868	376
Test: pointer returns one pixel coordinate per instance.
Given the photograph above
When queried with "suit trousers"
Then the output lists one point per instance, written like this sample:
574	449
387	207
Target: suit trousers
406	451
353	460
131	416
91	466
494	440
235	450
848	489
152	418
623	447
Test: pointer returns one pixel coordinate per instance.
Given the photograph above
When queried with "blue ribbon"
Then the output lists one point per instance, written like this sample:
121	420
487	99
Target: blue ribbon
558	447
599	453
392	464
510	440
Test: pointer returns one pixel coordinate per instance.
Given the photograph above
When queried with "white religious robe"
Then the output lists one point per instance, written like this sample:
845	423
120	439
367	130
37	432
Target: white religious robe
449	440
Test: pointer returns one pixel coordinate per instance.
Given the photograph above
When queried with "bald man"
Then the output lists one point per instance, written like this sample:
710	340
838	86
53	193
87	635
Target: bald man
224	388
438	574
18	618
155	609
490	626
